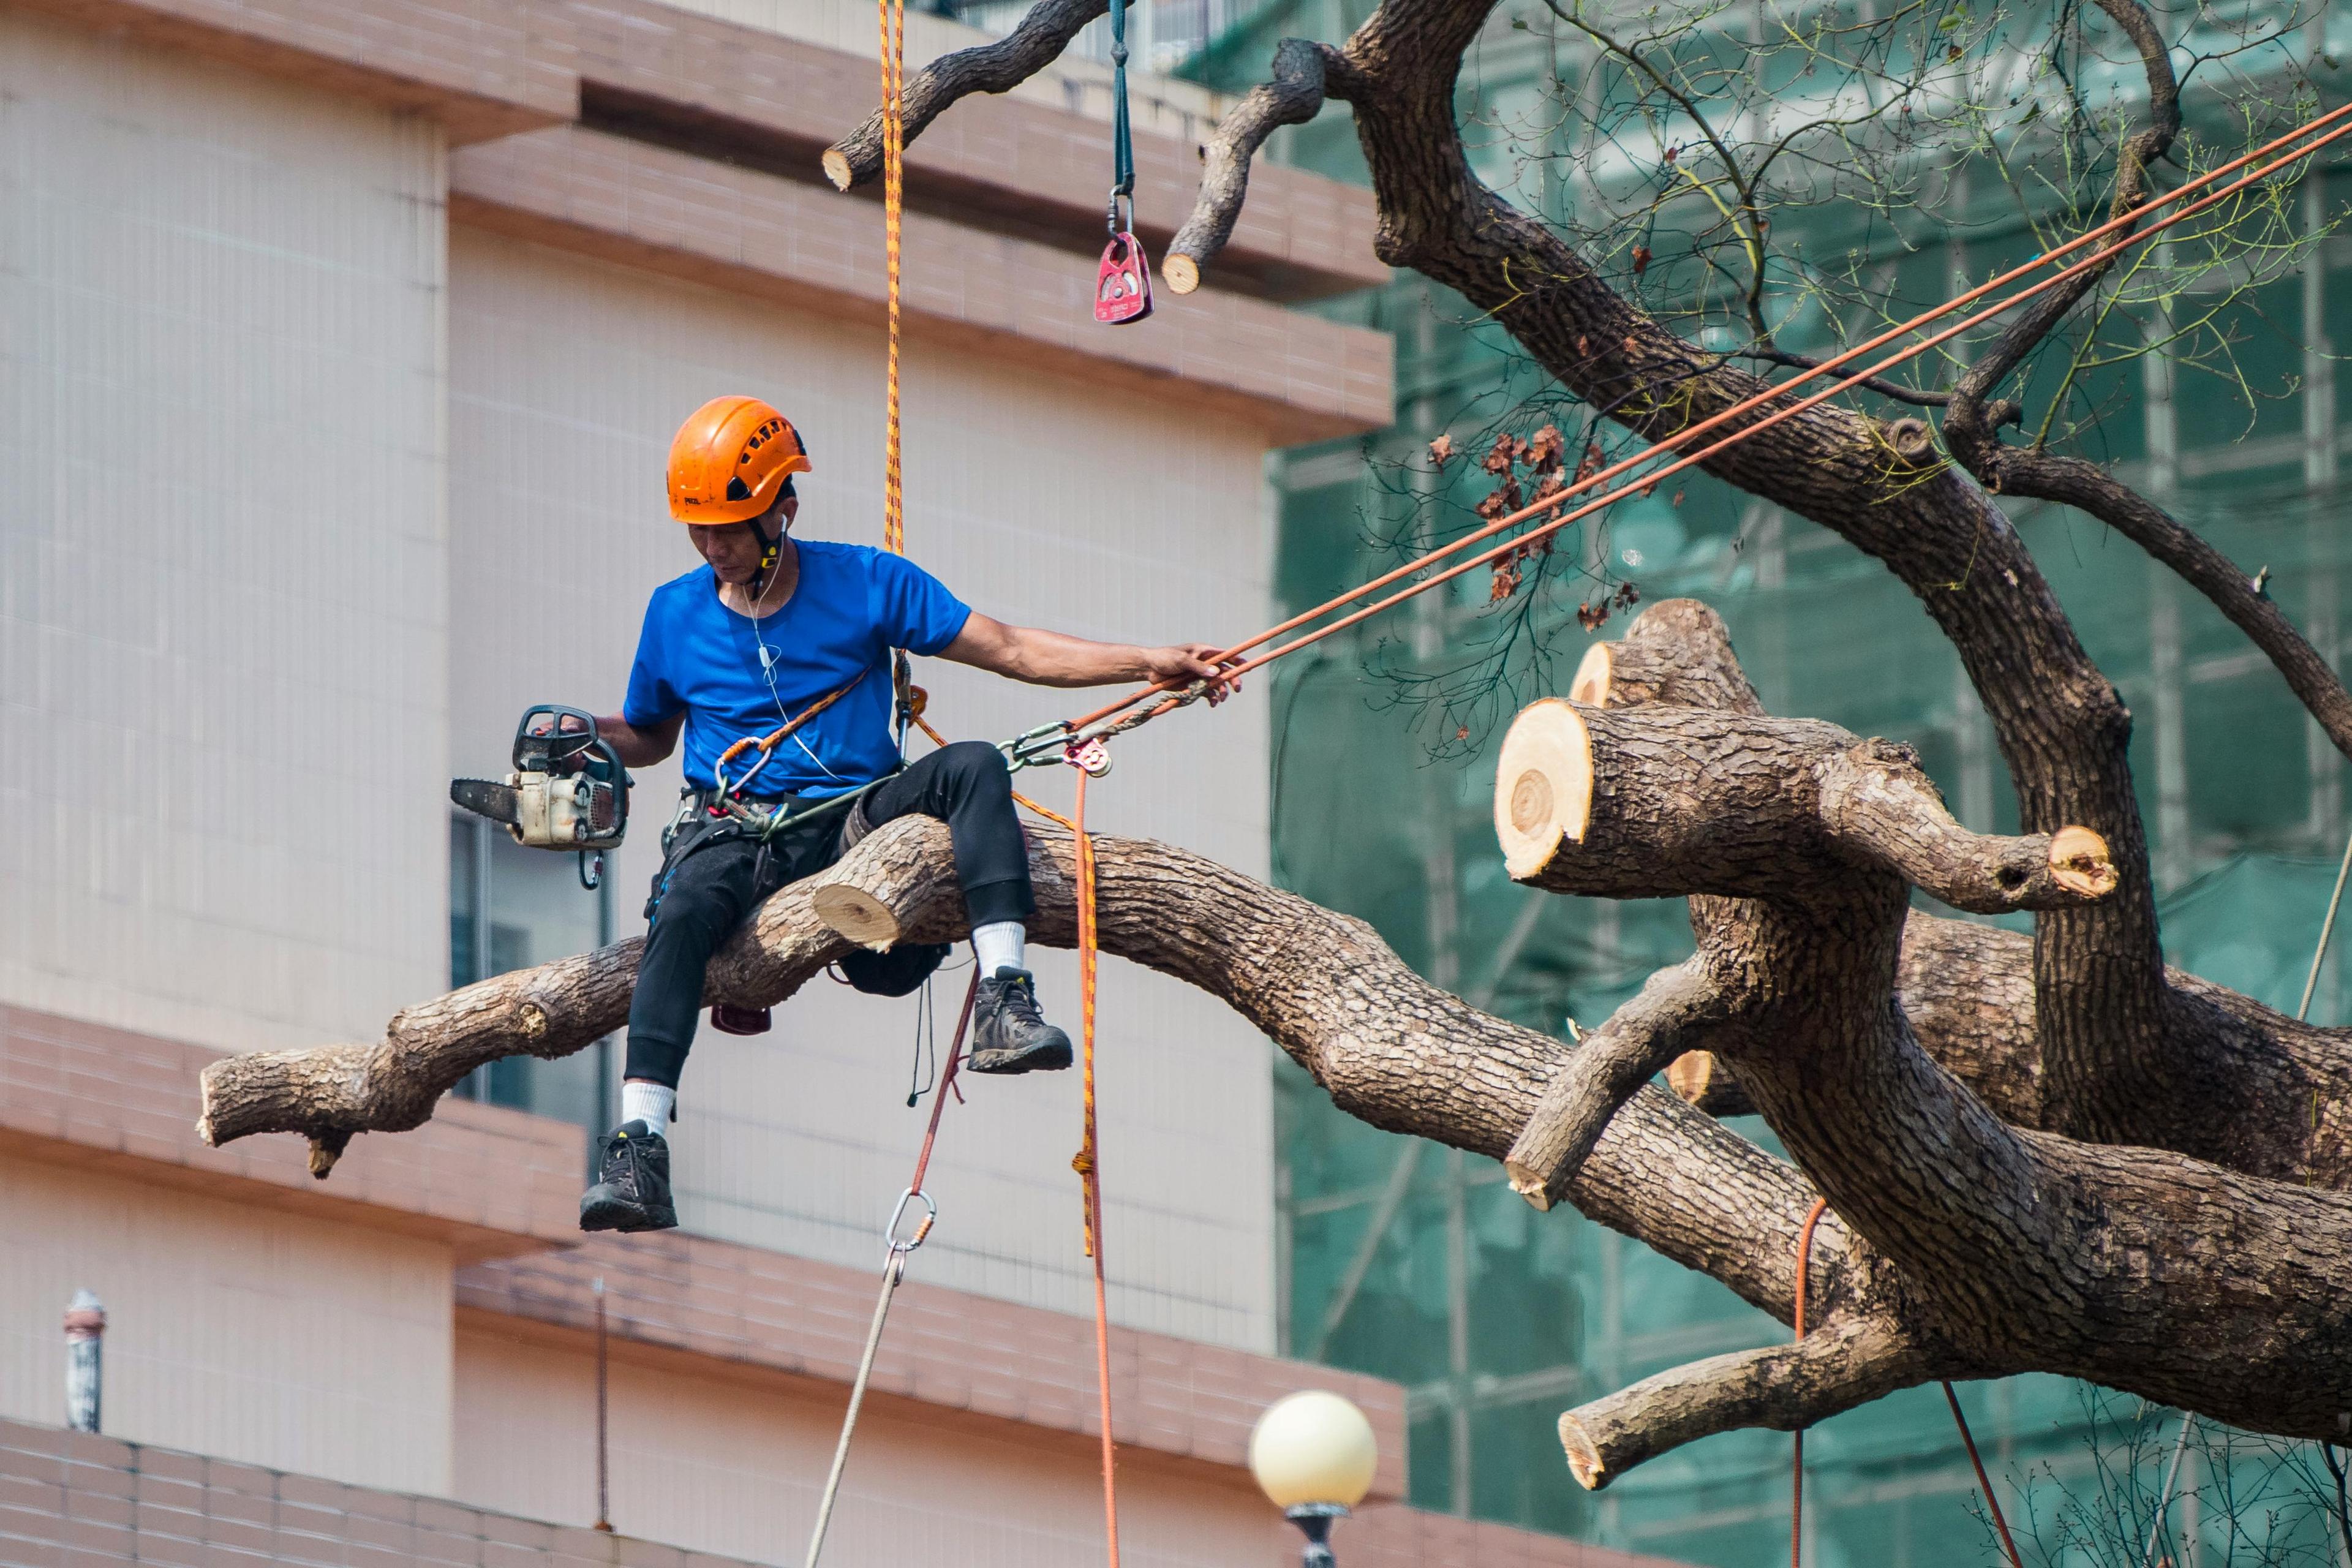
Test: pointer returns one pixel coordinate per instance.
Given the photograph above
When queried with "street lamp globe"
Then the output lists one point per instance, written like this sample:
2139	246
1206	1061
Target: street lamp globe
1314	1453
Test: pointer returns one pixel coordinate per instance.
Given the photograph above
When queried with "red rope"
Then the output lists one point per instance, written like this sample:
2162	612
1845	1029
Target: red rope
1984	1482
1845	384
947	1082
1797	1481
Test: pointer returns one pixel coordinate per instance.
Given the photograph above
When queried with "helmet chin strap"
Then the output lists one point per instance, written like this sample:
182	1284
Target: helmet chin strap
771	550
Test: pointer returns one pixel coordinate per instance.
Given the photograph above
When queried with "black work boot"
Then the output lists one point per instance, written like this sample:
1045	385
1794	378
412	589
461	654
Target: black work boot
1009	1035
633	1194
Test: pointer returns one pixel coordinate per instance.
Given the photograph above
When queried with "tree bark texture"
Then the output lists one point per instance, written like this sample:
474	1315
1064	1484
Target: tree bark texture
2019	1236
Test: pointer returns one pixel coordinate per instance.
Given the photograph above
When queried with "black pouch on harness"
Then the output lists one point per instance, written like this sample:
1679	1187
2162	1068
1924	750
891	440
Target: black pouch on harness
896	972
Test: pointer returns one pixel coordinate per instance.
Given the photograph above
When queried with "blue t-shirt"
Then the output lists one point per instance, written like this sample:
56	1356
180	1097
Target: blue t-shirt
852	605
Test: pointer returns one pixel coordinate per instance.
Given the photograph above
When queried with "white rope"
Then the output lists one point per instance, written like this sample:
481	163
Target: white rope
892	1272
2326	929
2163	1503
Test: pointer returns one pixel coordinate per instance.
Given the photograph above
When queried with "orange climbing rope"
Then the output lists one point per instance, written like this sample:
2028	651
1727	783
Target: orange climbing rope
892	22
1797	1446
1087	1162
892	15
1170	698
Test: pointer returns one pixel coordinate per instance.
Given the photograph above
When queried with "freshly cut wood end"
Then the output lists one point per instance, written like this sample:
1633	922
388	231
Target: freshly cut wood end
1591	686
836	168
1583	1458
2079	861
1543	787
325	1150
1689	1074
1183	273
1528	1184
856	914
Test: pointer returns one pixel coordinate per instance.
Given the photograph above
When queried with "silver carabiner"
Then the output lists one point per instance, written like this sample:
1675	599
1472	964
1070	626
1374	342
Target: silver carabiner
901	1247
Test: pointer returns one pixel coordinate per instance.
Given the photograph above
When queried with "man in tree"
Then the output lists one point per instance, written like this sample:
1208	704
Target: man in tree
778	637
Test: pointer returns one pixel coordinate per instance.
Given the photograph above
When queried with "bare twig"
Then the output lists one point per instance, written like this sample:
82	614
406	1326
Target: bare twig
997	66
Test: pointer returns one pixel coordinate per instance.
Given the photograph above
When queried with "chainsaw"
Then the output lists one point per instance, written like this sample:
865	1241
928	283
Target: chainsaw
568	790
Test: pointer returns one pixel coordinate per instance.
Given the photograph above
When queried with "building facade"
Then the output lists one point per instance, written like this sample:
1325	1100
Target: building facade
340	343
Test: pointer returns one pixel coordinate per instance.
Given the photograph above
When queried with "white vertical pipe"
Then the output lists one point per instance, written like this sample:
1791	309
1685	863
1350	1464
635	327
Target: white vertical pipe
85	1336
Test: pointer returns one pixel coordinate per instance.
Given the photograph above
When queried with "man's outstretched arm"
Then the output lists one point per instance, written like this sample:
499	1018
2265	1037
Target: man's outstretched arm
1052	659
641	747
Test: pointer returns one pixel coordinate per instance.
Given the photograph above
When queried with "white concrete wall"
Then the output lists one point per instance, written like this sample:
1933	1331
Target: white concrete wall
1038	499
222	623
736	1467
244	1333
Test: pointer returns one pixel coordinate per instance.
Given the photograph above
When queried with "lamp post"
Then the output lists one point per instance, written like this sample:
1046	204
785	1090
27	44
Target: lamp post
1313	1454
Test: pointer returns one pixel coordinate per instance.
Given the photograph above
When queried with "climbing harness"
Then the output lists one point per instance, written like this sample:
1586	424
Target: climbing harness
1123	281
1797	1446
900	1245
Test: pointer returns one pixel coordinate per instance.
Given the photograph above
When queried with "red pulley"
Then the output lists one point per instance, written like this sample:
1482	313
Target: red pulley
1123	283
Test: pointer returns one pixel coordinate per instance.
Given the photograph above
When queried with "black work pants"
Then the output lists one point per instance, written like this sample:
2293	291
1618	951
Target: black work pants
706	888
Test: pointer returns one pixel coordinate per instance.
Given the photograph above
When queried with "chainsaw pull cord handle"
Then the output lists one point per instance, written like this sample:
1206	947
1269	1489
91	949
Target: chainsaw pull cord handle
1122	137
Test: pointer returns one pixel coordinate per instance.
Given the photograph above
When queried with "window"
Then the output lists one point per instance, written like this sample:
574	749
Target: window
510	908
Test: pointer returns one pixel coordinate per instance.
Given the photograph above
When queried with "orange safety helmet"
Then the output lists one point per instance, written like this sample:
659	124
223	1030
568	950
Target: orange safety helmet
730	460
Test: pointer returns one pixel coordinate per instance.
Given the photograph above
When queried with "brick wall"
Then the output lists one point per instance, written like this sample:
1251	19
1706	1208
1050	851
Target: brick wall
72	1499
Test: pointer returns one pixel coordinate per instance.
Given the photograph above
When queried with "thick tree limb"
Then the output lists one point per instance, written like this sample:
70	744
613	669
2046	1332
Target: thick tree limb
1676	652
2016	1253
1656	801
997	66
1667	1018
1784	1387
2272	1096
1390	1049
1304	71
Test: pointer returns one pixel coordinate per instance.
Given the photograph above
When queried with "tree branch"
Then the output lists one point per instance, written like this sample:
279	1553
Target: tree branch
1786	1388
1917	397
1303	72
1656	801
2072	481
997	66
1664	1021
1881	808
1968	421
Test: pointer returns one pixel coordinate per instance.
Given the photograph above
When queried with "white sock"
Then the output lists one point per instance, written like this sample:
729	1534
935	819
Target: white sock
999	944
651	1104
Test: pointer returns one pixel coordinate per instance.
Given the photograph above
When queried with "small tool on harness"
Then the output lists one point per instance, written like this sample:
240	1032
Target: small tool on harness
568	789
1123	281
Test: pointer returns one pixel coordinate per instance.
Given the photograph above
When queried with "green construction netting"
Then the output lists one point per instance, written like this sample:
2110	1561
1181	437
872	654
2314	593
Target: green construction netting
1405	1260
